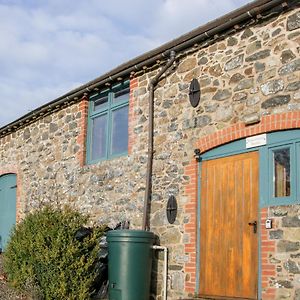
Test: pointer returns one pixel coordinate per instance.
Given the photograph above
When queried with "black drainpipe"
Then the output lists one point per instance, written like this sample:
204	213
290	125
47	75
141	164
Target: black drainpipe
152	85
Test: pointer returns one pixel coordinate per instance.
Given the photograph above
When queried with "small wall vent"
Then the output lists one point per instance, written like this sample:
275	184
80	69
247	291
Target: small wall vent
194	92
172	209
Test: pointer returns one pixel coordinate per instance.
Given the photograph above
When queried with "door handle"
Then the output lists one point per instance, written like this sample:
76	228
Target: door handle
254	224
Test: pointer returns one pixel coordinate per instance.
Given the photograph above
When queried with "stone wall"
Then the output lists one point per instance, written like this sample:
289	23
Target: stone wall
252	73
47	156
282	254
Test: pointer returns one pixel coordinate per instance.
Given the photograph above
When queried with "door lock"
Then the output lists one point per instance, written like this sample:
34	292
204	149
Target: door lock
254	224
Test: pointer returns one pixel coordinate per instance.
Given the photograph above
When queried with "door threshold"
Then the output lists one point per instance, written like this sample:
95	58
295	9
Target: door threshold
205	297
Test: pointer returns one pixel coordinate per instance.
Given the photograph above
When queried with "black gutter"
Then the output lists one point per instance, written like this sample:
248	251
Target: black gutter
161	53
228	24
148	190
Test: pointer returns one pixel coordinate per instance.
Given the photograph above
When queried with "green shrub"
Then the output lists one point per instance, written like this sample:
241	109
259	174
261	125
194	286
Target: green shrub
43	255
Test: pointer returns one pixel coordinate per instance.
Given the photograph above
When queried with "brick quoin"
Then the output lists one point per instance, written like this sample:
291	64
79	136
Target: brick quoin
267	249
190	229
13	169
81	139
269	123
133	85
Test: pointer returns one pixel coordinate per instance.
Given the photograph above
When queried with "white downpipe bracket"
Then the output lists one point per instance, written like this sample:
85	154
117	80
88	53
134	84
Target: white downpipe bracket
165	249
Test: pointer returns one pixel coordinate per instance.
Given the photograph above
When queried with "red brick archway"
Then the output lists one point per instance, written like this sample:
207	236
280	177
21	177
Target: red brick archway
269	123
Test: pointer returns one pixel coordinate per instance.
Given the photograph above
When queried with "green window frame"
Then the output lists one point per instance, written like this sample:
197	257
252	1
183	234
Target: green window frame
273	177
107	136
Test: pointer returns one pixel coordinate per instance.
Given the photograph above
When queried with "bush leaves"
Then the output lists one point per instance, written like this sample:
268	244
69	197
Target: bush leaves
43	256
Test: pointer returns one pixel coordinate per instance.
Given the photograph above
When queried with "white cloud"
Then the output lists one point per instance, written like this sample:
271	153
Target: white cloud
17	101
50	46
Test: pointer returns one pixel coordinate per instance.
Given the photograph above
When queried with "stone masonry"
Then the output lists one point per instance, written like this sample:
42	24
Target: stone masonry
251	73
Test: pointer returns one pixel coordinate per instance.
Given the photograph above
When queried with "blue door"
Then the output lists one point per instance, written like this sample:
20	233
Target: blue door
8	189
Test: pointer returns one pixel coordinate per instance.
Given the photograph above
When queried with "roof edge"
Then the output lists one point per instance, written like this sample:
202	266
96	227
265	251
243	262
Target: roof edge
185	41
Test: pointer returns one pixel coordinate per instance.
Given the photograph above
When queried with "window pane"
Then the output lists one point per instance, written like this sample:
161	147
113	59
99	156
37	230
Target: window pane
282	181
100	103
119	141
99	126
121	96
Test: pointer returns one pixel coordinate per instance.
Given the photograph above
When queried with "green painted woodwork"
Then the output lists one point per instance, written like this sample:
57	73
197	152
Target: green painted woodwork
8	188
275	140
290	198
130	257
106	102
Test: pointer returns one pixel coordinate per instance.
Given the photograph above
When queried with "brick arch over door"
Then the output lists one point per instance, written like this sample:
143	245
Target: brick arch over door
269	123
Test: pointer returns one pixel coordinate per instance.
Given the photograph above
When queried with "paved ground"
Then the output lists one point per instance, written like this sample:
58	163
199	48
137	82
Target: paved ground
7	293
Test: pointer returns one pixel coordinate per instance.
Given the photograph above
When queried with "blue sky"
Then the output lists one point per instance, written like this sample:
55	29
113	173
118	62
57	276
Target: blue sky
49	47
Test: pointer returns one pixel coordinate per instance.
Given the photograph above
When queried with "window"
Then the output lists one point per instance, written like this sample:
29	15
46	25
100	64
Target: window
283	159
108	123
281	173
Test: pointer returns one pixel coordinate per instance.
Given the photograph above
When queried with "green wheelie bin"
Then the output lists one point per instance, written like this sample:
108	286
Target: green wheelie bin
129	264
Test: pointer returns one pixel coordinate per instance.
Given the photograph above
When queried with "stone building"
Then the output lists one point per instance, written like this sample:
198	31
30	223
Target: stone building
231	161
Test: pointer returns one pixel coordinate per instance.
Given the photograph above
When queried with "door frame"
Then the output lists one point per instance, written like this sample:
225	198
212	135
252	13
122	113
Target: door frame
253	157
239	147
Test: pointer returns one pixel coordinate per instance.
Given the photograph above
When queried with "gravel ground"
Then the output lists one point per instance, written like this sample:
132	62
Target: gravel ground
6	292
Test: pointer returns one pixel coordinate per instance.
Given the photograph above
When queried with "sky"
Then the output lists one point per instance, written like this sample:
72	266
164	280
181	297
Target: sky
49	47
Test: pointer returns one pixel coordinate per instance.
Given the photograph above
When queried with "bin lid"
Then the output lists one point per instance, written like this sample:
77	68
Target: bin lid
129	234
